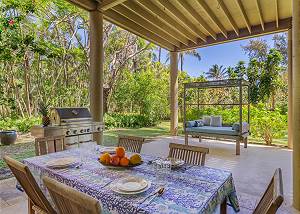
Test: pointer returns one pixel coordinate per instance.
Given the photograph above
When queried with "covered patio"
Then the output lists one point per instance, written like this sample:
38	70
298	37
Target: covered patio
188	24
180	25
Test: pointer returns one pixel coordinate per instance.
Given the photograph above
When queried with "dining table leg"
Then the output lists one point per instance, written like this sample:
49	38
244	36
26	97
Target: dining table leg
223	208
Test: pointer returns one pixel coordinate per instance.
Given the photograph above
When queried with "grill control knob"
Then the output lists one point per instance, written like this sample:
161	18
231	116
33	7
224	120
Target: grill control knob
67	132
82	130
99	129
75	131
88	130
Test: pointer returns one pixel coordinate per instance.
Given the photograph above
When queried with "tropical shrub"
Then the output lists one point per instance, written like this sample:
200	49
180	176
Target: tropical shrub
20	124
115	120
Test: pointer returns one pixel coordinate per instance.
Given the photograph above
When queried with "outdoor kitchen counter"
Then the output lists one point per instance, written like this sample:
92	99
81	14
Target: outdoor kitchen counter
195	190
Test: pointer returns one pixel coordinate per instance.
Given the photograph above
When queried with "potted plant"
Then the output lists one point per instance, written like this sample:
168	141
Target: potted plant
8	137
44	110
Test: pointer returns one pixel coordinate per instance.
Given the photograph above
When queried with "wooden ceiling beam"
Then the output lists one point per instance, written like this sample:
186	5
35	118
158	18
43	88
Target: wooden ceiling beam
244	15
107	4
270	28
139	10
85	4
260	14
145	24
131	26
228	16
164	17
212	17
276	13
185	21
199	19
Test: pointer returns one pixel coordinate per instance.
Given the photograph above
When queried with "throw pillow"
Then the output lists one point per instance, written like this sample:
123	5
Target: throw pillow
216	121
206	120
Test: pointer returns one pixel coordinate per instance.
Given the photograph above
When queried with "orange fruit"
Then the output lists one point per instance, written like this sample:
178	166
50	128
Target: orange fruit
124	161
105	158
115	160
120	151
135	159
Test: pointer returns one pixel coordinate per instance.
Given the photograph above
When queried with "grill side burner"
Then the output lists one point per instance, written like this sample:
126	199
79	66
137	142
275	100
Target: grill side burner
75	124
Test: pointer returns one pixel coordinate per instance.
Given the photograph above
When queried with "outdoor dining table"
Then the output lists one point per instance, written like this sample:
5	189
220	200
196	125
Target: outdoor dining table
196	189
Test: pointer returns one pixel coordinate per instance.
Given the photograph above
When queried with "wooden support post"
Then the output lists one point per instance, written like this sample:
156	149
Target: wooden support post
290	90
245	141
238	147
296	104
174	92
96	70
186	139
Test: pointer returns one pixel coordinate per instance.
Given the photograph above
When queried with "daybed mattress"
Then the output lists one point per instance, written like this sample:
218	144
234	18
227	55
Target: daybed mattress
213	130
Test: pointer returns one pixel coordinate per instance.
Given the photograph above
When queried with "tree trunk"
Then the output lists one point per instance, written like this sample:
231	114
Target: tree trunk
181	61
26	80
273	102
159	54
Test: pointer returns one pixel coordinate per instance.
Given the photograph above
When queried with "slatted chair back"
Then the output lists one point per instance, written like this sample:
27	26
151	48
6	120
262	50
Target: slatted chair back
28	183
69	200
48	145
194	155
273	196
131	143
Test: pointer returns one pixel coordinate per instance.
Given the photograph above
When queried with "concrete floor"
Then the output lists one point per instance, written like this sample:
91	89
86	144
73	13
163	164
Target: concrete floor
252	171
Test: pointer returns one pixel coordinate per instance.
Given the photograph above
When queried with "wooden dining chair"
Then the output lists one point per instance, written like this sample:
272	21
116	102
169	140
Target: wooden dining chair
69	200
273	196
48	145
131	143
37	202
194	155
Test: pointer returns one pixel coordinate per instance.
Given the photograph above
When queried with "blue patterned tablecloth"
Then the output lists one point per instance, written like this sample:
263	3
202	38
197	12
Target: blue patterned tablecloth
195	190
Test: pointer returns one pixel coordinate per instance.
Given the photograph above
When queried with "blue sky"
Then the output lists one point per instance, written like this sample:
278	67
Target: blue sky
227	54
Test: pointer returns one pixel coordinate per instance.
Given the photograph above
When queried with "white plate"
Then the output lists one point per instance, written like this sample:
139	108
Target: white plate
175	162
109	150
132	184
61	162
115	189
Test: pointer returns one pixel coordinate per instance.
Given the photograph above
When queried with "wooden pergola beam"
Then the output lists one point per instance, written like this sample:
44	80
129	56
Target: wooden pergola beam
228	16
276	12
244	15
107	4
153	20
260	14
183	19
88	5
199	19
131	26
145	24
212	17
270	27
164	17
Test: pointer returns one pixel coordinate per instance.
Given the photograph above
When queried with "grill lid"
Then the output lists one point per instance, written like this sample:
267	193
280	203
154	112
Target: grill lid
63	115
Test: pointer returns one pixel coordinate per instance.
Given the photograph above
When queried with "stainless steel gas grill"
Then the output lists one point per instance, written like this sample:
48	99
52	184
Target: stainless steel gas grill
75	124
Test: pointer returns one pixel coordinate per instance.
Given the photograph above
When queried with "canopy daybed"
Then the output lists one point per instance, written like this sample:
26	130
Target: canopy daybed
202	128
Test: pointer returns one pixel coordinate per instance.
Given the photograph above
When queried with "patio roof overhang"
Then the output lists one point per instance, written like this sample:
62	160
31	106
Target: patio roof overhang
179	25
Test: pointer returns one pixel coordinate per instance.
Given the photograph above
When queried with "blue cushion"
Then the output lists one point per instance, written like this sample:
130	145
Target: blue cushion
213	130
190	124
245	127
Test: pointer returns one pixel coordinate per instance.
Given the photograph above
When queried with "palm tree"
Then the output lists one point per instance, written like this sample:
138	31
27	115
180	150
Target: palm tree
182	54
216	72
192	53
